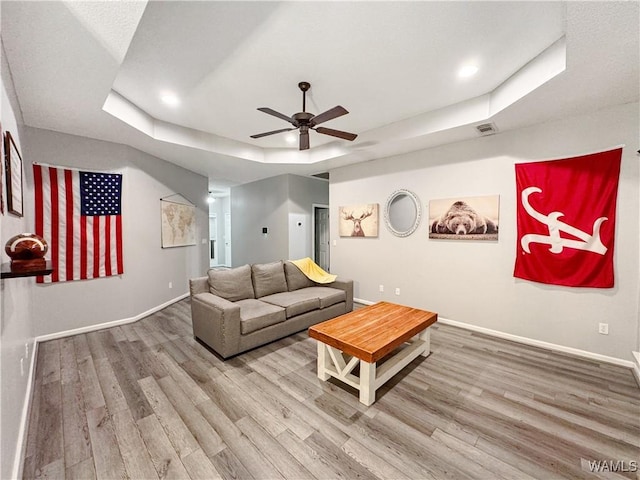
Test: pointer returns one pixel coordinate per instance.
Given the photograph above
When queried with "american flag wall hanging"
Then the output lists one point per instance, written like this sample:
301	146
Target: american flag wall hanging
79	214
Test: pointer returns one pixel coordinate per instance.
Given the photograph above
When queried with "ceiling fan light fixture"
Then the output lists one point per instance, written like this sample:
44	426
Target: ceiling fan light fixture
305	121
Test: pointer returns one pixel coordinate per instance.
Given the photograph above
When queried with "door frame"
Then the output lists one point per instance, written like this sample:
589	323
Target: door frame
313	229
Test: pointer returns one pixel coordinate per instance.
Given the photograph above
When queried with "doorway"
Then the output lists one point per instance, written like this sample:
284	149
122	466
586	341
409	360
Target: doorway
227	240
219	229
321	236
214	258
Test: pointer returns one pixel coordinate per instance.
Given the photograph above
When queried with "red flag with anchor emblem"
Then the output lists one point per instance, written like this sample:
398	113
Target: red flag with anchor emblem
566	220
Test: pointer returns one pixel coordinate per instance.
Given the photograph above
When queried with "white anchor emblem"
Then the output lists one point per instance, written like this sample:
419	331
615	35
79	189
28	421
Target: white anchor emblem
590	243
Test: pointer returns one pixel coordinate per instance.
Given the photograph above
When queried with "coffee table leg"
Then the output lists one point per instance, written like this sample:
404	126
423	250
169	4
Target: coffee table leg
323	358
425	336
367	382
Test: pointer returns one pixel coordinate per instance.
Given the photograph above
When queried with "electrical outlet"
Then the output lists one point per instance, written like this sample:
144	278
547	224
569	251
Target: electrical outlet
381	288
397	291
170	284
335	242
603	328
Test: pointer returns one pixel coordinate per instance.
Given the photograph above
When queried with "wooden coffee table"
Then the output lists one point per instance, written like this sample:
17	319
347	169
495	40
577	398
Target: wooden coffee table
364	337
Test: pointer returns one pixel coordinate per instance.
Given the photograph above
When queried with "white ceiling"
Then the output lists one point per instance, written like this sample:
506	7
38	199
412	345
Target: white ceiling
393	65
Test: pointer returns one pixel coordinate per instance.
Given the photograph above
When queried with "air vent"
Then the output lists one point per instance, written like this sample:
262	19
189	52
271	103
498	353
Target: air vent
486	129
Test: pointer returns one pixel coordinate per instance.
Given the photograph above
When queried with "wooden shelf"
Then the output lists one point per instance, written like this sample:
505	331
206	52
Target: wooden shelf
5	271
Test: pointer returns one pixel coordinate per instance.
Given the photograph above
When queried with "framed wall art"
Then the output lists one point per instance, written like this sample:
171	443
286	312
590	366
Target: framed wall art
1	174
178	224
13	166
465	218
358	220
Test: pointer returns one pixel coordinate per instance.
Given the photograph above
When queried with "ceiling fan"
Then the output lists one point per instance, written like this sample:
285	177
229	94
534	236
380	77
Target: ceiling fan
306	121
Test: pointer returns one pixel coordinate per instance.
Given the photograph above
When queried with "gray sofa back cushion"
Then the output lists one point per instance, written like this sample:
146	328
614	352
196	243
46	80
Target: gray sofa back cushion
294	303
295	278
233	285
327	296
268	278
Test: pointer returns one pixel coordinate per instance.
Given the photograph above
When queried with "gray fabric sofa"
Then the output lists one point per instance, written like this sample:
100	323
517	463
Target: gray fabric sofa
238	309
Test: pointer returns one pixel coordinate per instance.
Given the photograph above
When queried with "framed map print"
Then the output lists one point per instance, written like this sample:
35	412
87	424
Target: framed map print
178	224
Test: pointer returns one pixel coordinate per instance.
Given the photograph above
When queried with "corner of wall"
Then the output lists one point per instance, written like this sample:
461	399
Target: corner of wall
16	314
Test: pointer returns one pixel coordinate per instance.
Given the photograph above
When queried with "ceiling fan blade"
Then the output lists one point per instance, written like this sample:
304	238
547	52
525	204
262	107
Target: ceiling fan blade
337	133
260	135
328	115
284	117
304	140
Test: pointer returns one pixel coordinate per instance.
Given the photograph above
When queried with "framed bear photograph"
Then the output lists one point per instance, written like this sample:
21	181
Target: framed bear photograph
465	218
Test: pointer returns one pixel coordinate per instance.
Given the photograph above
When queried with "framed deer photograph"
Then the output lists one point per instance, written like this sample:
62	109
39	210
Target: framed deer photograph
358	220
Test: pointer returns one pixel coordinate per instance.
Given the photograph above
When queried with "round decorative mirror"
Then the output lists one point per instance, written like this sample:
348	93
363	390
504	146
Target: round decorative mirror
402	213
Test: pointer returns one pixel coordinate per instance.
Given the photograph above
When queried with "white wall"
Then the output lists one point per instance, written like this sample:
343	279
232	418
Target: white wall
16	327
303	193
253	206
277	203
148	268
473	282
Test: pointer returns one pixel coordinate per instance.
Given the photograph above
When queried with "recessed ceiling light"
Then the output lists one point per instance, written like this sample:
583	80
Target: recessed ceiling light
170	99
467	71
291	138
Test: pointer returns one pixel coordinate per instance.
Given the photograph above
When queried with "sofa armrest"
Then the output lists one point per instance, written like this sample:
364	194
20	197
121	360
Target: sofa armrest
216	322
198	285
347	286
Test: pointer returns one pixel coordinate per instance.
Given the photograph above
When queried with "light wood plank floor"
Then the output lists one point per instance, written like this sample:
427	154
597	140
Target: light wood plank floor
146	401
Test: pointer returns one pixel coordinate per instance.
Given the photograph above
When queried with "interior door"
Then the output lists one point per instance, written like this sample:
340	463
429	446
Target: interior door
322	237
227	239
213	241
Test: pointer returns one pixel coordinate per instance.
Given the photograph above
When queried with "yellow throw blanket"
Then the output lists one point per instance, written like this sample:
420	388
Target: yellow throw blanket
313	271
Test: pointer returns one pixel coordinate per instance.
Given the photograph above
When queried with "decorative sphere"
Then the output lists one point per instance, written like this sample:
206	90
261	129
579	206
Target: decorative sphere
26	246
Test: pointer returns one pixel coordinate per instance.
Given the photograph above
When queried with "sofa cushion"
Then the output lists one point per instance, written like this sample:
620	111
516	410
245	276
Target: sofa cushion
294	303
233	284
327	295
268	278
295	278
255	314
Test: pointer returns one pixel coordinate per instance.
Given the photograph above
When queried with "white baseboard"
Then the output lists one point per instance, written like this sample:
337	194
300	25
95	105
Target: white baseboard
115	323
363	302
538	343
24	418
